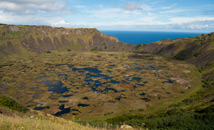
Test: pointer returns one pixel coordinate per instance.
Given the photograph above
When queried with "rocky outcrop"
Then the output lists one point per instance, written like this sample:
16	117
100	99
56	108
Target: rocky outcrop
40	39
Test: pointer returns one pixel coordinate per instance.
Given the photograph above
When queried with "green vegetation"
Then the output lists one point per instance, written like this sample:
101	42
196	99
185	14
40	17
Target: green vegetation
208	83
94	49
139	47
15	33
141	110
48	52
10	103
109	113
105	46
175	118
180	56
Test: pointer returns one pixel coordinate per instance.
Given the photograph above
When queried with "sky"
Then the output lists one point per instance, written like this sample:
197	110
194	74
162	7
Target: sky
130	15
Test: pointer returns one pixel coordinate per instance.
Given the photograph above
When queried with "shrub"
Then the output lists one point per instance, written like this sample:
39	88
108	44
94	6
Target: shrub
141	109
207	83
48	52
180	56
138	47
10	103
105	46
94	49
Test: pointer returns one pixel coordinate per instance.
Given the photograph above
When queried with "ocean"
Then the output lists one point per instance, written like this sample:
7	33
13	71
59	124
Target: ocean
145	37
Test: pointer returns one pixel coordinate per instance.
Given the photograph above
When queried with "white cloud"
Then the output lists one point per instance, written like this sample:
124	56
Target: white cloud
24	6
174	11
193	26
180	20
11	18
107	13
132	7
9	5
58	22
37	12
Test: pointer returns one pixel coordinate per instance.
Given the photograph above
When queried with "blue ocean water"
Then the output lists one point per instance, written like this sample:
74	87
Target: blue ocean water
145	37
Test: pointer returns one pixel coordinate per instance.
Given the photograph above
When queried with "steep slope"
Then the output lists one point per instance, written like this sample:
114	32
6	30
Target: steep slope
39	39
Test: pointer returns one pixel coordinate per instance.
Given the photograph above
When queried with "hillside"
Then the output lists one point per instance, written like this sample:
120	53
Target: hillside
23	39
197	50
14	115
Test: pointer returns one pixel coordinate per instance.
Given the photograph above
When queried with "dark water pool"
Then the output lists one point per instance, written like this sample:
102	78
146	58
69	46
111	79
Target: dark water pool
153	68
111	65
55	86
69	95
145	99
89	69
138	79
142	94
85	98
63	76
40	108
63	101
83	105
63	110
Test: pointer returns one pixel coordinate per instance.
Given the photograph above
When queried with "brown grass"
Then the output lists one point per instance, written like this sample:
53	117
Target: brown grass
27	123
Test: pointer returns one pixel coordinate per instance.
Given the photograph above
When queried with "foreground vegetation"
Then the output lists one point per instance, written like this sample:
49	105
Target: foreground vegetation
14	123
10	103
190	114
15	116
187	114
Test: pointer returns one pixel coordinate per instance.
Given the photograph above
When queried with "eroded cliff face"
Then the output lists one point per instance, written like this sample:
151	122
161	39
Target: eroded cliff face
40	39
197	50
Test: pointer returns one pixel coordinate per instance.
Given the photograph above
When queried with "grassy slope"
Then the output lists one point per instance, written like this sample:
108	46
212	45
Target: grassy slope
27	123
13	116
196	50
